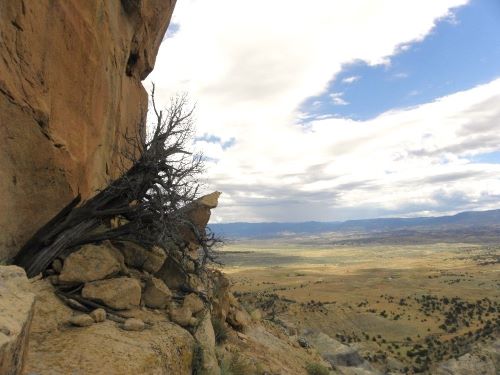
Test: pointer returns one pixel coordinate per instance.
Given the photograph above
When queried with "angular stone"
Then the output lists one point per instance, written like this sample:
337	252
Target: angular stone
198	213
171	274
120	294
99	315
133	324
195	283
90	263
193	303
82	320
16	312
156	294
210	200
205	337
239	319
138	257
181	316
221	295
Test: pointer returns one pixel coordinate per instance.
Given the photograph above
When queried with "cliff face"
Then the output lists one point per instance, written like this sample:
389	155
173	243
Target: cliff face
70	88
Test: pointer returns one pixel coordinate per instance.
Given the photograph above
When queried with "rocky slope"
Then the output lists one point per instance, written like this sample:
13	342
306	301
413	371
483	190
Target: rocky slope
118	308
70	87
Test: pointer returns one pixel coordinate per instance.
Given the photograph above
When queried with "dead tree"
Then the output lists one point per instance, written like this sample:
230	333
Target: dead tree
149	196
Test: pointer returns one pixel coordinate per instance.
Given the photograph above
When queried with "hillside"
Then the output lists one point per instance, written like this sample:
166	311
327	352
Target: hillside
469	221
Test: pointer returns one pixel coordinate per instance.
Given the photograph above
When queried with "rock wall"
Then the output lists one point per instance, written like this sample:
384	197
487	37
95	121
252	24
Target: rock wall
70	87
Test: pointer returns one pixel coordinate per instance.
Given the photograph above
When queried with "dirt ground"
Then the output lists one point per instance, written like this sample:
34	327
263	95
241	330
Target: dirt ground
402	305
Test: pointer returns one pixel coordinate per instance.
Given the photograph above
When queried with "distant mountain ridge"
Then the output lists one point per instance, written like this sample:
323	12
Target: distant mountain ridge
467	219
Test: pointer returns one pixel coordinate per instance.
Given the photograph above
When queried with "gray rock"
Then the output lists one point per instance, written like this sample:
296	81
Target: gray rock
334	351
121	293
303	342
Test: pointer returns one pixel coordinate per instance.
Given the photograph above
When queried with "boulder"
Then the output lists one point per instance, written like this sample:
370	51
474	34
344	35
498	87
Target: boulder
220	295
138	257
99	315
133	324
16	312
181	316
156	294
195	282
193	303
90	263
198	213
173	276
238	319
82	320
120	294
205	337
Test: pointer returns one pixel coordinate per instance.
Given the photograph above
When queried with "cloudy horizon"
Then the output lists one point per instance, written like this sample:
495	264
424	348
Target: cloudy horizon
340	109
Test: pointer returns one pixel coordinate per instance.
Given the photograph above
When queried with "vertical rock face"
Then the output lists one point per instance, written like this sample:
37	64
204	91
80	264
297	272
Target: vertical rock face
16	312
70	88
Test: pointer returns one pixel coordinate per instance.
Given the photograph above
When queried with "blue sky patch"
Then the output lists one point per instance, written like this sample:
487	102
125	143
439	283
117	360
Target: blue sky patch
460	53
210	138
487	158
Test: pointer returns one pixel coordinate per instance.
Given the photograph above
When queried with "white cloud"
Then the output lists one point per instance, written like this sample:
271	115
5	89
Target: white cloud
351	79
250	65
337	98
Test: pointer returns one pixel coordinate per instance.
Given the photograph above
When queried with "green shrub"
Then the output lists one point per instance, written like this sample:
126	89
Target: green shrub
197	361
316	369
221	331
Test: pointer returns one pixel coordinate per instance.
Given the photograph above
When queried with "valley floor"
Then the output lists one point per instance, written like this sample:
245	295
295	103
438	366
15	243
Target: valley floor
405	307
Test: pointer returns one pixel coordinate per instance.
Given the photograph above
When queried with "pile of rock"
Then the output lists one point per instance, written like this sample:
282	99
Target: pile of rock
138	288
113	277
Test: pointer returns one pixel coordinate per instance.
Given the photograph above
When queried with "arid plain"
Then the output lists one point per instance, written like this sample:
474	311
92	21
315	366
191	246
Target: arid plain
404	306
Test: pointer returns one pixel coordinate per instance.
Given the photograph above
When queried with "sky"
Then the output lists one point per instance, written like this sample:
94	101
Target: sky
334	110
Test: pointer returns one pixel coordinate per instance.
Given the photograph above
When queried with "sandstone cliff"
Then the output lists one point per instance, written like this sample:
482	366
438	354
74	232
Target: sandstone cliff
70	87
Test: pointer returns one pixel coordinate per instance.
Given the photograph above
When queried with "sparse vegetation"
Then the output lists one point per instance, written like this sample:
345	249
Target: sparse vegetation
416	328
316	369
236	365
220	330
197	361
